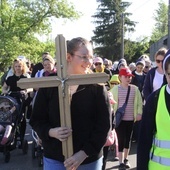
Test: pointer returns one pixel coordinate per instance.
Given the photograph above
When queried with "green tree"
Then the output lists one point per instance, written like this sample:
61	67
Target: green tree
22	20
133	50
161	26
108	31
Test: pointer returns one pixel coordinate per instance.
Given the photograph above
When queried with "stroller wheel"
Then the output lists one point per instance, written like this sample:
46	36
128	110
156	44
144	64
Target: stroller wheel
34	150
7	156
40	161
25	146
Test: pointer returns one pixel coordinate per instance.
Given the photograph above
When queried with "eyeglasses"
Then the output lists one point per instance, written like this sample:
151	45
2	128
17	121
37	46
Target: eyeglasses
96	64
85	58
146	66
159	61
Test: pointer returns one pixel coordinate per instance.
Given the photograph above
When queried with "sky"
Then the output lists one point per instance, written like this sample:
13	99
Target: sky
142	13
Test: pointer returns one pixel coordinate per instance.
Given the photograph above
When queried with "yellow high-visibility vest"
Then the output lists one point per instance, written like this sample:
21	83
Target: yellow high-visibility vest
160	151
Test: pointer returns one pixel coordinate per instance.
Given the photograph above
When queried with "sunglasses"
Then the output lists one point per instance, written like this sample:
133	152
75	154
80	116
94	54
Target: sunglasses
147	66
159	61
96	64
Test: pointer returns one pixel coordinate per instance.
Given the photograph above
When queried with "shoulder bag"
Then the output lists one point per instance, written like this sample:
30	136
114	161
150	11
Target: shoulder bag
121	110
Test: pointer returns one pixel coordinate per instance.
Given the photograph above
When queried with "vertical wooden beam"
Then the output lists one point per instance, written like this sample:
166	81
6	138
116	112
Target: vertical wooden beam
65	115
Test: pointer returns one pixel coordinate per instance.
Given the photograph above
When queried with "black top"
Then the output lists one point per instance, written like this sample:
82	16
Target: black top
12	82
90	115
148	129
138	80
37	67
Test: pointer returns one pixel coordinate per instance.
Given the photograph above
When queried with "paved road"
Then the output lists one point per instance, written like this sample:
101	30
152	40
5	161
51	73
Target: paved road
132	159
19	161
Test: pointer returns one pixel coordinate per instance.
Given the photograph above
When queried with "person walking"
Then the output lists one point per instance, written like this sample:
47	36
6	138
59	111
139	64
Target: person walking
155	78
133	112
39	66
153	149
100	68
90	116
138	80
10	85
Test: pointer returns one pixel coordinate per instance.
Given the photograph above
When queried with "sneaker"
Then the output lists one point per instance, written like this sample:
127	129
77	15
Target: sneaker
127	164
122	166
116	158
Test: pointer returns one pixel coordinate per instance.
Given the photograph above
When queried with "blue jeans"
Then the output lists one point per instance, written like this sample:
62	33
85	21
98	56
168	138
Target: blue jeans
50	164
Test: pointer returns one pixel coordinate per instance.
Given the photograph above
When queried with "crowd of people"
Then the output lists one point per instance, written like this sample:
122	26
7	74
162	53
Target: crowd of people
145	121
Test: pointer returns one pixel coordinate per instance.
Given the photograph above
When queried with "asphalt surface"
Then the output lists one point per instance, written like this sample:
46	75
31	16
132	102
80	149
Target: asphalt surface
111	164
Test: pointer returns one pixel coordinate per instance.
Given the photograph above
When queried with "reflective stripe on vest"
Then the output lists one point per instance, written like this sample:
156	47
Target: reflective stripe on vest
160	151
161	143
161	160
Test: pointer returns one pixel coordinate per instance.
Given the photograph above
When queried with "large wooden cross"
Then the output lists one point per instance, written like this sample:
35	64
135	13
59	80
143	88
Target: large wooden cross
63	81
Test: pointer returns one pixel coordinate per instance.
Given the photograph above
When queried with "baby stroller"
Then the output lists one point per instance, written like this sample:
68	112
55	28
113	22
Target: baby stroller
37	149
16	121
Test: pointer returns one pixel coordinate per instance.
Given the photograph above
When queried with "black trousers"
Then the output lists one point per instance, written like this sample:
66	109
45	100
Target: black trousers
124	133
105	153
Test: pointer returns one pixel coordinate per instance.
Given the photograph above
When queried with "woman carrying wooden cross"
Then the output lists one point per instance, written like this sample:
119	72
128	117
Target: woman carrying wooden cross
90	116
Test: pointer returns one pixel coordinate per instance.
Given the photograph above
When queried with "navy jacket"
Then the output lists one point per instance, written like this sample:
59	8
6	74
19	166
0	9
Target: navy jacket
148	129
148	84
38	66
138	80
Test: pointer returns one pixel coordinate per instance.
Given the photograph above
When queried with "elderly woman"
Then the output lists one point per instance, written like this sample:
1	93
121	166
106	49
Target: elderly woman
154	139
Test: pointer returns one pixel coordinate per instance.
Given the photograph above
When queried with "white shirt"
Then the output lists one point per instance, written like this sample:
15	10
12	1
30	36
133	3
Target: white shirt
73	89
157	81
39	73
139	73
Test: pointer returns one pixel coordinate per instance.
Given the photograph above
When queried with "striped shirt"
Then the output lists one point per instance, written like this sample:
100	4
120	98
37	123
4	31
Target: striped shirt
129	111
